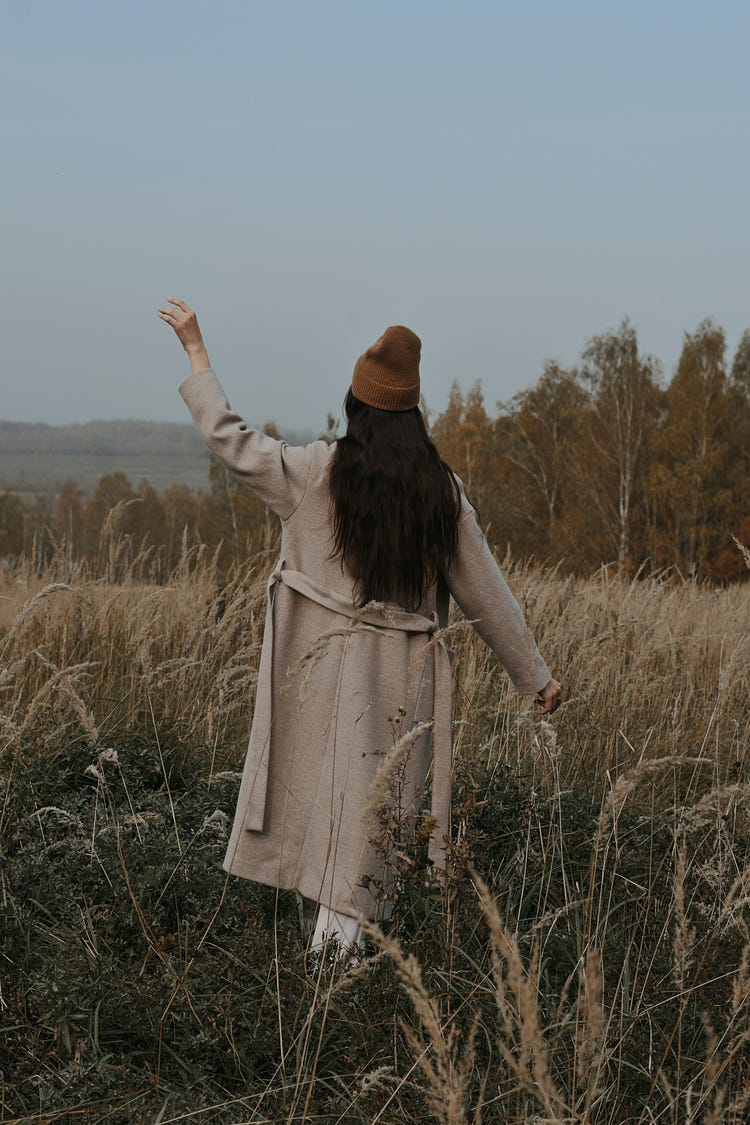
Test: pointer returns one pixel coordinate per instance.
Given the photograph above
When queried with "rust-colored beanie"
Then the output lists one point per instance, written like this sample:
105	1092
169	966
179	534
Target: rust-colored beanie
387	374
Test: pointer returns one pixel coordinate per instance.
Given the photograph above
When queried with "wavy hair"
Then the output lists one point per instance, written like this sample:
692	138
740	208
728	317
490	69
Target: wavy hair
395	505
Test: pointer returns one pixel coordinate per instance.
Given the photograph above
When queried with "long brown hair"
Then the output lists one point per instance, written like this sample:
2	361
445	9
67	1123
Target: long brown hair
395	504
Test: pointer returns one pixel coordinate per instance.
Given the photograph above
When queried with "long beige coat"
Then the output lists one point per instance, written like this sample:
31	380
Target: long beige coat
331	681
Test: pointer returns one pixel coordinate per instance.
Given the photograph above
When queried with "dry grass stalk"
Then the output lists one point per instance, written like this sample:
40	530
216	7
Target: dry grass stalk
744	551
380	787
308	662
714	1114
446	1069
27	611
628	782
61	679
589	1032
713	807
741	986
684	934
516	990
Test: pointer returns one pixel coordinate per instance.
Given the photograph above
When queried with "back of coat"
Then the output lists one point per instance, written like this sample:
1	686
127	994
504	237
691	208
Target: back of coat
348	707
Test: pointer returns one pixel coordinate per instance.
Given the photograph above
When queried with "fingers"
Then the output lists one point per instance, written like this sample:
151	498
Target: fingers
168	317
550	698
174	316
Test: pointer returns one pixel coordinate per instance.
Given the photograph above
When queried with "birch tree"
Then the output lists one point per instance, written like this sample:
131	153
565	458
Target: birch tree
692	474
624	410
540	444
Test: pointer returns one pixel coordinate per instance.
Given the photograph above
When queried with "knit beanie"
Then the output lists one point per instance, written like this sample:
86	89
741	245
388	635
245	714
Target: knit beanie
387	374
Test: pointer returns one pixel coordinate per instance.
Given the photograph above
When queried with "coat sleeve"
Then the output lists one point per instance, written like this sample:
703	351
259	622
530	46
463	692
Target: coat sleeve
275	471
480	590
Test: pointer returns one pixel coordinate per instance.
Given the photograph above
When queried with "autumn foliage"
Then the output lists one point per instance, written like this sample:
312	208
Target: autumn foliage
599	464
603	464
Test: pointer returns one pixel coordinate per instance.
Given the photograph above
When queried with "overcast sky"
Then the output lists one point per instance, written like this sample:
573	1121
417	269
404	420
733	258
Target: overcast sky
507	179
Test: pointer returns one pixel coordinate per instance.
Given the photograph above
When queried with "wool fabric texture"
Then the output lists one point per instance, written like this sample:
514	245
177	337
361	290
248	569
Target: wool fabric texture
329	688
387	374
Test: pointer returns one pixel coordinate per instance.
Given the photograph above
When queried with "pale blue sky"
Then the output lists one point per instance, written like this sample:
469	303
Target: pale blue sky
505	179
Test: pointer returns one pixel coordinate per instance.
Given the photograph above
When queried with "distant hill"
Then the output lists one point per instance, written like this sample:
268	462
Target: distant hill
37	457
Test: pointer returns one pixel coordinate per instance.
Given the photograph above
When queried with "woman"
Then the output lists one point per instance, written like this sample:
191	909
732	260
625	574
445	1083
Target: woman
377	532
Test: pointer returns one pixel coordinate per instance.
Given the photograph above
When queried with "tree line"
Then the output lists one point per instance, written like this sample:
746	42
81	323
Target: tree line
603	463
119	435
600	463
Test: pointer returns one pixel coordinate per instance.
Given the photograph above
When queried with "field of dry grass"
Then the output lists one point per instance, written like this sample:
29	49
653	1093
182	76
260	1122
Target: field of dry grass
589	961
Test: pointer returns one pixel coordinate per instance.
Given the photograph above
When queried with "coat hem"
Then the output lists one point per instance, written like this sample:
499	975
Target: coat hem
310	888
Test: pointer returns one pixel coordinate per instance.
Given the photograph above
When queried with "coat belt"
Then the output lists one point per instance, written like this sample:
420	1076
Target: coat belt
387	617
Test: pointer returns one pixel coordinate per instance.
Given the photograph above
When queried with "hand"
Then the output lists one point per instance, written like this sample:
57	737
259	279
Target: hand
549	698
185	323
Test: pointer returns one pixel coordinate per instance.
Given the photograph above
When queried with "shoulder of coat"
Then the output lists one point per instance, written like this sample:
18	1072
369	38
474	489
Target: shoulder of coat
320	453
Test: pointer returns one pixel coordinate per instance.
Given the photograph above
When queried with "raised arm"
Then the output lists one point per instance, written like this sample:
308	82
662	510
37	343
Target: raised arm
275	471
477	584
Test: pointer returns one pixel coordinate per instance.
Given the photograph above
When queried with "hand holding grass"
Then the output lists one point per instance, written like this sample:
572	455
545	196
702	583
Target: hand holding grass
549	698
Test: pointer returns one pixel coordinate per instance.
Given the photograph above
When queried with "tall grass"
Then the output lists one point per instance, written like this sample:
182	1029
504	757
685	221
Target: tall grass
587	960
